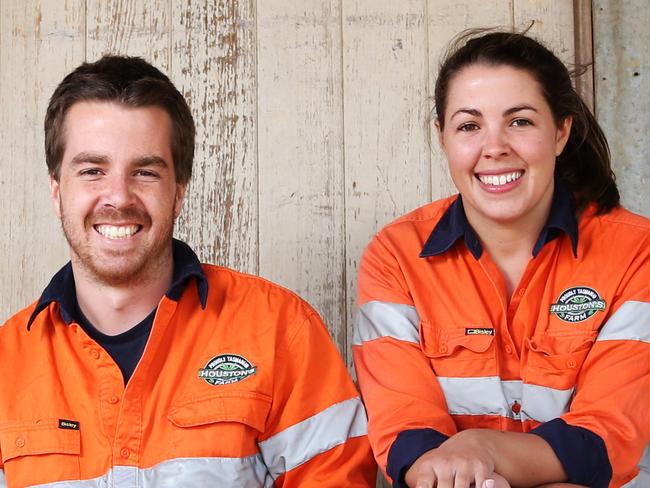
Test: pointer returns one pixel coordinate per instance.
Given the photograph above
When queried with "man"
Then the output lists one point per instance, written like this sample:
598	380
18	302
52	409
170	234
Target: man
138	366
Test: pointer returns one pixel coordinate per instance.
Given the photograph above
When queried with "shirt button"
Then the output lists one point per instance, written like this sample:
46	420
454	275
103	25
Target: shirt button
522	292
94	353
20	442
442	348
114	399
571	363
516	408
508	349
124	452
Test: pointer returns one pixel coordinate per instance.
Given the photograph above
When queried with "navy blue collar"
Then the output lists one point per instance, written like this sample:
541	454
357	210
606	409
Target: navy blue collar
62	289
453	225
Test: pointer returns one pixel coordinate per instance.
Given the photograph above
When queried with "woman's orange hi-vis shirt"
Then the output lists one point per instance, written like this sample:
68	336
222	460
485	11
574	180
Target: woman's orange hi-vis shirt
440	348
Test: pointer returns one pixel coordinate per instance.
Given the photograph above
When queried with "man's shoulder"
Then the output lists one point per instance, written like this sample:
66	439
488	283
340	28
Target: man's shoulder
232	285
19	319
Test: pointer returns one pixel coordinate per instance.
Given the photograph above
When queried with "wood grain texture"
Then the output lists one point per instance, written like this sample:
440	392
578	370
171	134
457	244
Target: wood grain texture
387	159
300	148
40	41
133	27
213	65
552	23
446	21
584	50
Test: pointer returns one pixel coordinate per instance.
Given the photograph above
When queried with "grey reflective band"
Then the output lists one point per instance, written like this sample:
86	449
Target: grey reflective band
247	472
631	322
385	319
317	434
490	395
3	482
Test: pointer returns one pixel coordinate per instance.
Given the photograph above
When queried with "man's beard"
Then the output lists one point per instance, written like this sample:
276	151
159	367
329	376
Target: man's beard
130	267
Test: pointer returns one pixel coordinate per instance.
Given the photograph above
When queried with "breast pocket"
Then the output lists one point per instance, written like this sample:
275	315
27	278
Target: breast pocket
39	451
555	359
220	425
459	351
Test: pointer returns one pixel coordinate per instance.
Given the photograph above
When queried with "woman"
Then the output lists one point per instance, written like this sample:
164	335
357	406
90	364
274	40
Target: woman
504	333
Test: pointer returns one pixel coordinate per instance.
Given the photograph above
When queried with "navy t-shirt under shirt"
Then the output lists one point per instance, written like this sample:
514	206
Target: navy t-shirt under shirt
126	348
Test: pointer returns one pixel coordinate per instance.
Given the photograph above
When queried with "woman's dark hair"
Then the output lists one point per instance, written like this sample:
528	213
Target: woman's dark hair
130	81
584	165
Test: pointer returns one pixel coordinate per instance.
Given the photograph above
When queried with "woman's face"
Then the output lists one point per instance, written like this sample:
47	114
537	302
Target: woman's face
501	141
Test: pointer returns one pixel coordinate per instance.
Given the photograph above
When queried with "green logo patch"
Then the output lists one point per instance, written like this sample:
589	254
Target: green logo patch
226	368
577	304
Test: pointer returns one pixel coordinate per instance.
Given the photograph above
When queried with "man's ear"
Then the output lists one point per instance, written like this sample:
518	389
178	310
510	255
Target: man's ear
55	195
181	188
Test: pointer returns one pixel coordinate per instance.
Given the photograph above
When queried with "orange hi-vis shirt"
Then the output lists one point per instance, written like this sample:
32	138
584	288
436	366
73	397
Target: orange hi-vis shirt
440	347
248	391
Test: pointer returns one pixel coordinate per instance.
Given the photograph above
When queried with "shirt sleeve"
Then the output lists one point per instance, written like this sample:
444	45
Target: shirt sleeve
407	412
317	428
612	400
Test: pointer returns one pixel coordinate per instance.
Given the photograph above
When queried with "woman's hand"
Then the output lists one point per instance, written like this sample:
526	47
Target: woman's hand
461	461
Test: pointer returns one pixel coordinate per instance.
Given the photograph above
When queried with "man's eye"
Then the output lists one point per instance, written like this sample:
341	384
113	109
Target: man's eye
90	172
145	173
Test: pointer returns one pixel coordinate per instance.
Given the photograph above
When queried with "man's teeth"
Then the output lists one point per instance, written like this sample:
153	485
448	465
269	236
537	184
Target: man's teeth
499	180
117	232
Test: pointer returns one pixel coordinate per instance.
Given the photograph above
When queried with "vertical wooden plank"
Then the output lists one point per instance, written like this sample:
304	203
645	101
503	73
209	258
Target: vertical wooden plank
552	23
40	41
446	21
213	64
133	27
387	158
301	153
621	40
584	47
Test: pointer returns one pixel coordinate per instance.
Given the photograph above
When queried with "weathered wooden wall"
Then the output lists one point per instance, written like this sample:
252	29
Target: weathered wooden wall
311	124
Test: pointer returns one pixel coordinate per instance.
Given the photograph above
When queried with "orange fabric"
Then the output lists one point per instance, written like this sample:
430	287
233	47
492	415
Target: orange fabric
453	291
55	371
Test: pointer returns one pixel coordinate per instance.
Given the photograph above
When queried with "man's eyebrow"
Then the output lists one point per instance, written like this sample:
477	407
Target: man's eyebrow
150	161
519	108
88	157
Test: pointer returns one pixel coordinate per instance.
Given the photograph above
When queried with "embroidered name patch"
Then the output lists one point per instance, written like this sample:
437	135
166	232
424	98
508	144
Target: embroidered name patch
479	331
226	368
68	424
577	304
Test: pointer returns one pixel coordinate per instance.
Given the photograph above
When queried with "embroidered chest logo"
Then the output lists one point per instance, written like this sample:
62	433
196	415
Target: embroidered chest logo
577	304
226	368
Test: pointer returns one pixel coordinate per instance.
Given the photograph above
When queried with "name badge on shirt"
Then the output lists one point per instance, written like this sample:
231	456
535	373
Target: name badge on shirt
68	424
479	331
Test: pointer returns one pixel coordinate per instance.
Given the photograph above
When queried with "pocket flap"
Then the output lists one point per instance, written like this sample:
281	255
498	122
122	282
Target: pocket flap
44	436
442	342
250	408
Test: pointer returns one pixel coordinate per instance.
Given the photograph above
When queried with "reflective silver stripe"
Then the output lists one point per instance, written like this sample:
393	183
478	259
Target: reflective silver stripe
384	319
315	435
631	322
3	482
492	396
247	472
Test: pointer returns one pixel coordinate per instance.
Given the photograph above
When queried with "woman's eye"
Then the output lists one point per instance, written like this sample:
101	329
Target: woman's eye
468	127
521	122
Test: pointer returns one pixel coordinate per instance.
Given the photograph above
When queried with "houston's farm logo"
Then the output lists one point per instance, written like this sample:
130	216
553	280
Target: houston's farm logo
226	368
577	304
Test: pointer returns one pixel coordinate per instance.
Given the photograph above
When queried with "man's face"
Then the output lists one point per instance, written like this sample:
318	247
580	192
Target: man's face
117	195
